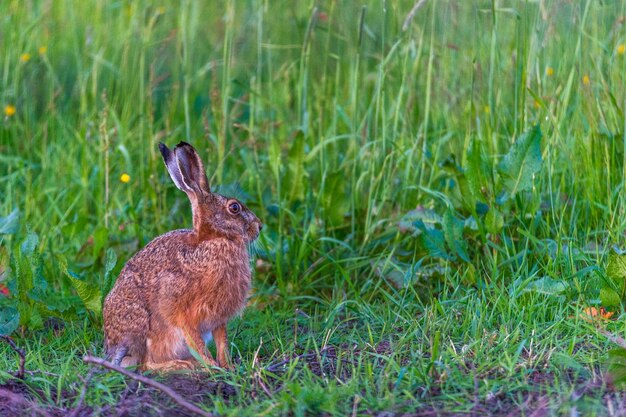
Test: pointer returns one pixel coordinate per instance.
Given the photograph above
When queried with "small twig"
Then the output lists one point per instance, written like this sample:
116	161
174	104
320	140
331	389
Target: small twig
255	358
302	313
40	372
275	366
259	381
20	372
148	381
355	404
612	337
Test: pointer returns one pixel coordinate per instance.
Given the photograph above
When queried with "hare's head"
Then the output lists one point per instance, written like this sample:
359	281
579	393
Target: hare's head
214	215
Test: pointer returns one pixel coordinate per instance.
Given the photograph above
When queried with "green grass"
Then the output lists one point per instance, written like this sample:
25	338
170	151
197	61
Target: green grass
333	124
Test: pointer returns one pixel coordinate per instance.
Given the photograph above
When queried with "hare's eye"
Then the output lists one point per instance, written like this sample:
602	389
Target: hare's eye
234	207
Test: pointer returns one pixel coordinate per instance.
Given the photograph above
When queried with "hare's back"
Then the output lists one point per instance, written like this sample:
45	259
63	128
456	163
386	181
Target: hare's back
137	278
157	256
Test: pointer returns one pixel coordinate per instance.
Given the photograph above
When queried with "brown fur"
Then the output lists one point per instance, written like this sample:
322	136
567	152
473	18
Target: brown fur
184	283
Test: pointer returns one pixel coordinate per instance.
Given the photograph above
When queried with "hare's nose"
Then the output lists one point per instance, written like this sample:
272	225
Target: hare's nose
260	226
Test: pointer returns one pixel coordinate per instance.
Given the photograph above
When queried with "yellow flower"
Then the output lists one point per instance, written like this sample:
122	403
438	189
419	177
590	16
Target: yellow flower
549	71
586	79
25	57
125	178
9	110
43	50
487	110
621	48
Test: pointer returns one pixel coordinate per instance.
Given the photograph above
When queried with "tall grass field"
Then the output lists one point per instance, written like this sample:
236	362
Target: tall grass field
441	184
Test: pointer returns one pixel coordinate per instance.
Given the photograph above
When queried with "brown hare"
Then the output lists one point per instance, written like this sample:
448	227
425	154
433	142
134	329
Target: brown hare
185	285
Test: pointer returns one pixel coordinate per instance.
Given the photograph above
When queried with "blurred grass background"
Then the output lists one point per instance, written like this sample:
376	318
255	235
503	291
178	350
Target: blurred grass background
329	116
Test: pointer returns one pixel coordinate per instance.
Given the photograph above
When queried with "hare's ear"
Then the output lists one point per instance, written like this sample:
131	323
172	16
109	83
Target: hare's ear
191	168
172	167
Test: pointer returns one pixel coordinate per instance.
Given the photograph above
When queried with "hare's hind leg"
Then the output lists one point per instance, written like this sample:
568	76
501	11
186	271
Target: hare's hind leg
125	330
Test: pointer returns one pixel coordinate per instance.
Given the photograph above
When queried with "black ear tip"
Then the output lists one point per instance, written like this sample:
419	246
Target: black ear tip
183	144
164	151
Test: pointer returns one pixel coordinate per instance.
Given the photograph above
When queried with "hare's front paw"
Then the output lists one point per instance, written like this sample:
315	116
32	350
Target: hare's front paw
208	362
227	365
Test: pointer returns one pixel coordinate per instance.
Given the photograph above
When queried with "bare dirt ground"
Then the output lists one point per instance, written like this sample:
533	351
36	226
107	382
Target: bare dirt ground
19	398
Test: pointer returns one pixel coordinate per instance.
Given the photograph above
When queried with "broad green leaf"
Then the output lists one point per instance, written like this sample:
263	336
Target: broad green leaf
478	171
494	221
609	297
460	249
460	190
453	233
294	181
334	200
452	227
399	274
36	266
10	224
9	320
89	294
547	285
110	261
617	366
522	162
29	316
275	160
109	264
434	241
428	217
619	354
616	271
